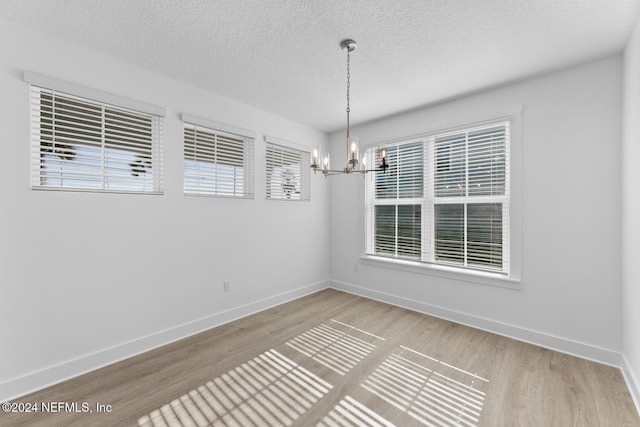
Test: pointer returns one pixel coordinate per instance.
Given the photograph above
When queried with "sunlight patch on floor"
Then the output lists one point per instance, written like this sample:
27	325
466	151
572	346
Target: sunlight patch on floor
351	413
336	345
430	391
268	390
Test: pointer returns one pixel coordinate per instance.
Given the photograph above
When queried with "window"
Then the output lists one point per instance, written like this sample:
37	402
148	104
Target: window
398	195
217	163
287	172
82	144
444	200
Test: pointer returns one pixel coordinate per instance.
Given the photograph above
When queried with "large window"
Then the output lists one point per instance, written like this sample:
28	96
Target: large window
217	163
444	200
83	144
288	172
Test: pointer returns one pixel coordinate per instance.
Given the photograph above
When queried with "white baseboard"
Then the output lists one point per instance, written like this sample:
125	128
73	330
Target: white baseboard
632	380
563	345
38	380
26	384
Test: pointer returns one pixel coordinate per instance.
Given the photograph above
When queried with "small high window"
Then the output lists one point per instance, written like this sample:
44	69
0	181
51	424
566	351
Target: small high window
217	163
288	172
82	144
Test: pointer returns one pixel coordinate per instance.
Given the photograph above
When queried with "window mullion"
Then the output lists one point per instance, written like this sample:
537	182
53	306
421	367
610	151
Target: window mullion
395	234
465	235
429	172
397	231
466	193
103	150
397	210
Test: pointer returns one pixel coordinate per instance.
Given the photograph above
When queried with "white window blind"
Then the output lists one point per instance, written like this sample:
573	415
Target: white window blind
217	163
471	204
82	144
444	200
395	201
288	172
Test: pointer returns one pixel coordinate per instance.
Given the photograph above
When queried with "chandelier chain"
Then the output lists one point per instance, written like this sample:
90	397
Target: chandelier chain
348	80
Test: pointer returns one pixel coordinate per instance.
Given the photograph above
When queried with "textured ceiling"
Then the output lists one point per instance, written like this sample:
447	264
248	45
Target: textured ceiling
282	56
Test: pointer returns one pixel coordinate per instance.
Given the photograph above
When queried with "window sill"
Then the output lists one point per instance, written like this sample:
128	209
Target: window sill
94	190
479	277
219	196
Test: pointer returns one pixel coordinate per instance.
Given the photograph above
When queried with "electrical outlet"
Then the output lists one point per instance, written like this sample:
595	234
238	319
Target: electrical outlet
355	268
227	285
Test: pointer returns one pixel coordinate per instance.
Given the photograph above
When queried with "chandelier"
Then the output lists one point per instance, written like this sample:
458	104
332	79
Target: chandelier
355	163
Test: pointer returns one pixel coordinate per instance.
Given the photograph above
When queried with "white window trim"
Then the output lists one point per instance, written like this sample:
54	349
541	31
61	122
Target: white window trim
512	280
92	190
217	126
283	142
444	271
93	94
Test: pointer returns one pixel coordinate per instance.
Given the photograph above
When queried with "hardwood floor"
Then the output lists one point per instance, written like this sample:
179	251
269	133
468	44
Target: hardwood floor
337	359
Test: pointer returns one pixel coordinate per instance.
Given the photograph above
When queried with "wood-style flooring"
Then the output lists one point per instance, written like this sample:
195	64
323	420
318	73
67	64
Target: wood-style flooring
335	359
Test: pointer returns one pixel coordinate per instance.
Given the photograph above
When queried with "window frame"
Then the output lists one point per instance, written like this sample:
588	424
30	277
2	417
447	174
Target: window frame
107	104
305	170
466	200
243	136
512	278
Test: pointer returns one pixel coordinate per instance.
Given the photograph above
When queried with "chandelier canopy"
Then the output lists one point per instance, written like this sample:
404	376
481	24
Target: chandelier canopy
355	163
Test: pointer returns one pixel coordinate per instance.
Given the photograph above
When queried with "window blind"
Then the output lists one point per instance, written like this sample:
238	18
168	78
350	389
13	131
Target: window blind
471	201
444	200
217	163
81	144
396	214
288	172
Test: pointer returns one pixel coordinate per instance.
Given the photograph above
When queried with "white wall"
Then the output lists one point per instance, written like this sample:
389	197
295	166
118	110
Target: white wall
88	278
631	214
570	297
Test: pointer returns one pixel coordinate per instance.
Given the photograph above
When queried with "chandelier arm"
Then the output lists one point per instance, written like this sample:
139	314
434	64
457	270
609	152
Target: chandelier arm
342	172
